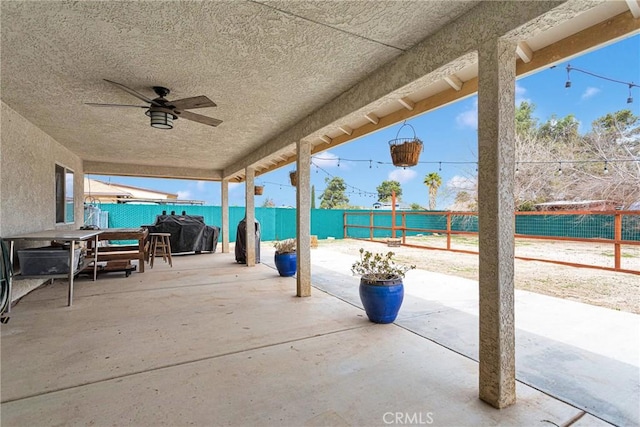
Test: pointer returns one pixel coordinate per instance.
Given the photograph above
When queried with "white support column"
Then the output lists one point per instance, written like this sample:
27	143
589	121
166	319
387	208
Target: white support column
496	122
303	219
226	231
251	216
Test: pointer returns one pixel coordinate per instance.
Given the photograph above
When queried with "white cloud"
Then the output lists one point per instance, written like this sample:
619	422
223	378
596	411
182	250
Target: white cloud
200	185
469	118
234	185
461	183
184	195
520	92
402	175
590	92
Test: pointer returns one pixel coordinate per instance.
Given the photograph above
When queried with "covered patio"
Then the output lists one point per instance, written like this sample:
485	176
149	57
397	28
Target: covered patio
209	343
289	79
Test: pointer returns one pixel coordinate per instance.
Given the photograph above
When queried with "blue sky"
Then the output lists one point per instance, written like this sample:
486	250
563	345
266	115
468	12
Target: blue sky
449	135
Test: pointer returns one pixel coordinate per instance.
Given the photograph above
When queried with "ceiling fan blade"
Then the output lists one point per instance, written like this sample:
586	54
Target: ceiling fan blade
190	103
115	105
134	93
198	118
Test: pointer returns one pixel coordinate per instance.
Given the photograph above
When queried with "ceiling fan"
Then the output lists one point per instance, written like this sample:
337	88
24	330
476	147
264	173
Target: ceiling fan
162	111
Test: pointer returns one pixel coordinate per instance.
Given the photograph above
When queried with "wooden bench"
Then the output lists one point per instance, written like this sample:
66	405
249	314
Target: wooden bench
123	252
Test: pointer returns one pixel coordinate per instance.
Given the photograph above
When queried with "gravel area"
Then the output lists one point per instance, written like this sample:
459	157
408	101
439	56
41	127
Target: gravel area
618	291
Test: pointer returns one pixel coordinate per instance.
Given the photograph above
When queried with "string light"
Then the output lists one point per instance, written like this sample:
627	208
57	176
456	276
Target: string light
606	169
277	183
353	190
630	84
560	168
444	162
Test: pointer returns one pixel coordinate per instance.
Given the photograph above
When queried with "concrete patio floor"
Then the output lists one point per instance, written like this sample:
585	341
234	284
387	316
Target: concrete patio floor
212	342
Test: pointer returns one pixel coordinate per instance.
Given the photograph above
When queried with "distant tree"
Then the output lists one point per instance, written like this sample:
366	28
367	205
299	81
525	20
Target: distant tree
555	162
416	207
386	188
268	203
464	202
525	122
564	129
433	181
313	197
619	122
333	196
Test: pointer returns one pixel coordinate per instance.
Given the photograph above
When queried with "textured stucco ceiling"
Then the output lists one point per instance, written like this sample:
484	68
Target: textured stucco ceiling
277	69
265	65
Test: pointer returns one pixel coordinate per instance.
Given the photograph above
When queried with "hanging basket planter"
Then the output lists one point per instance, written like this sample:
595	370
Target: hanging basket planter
293	176
405	152
257	190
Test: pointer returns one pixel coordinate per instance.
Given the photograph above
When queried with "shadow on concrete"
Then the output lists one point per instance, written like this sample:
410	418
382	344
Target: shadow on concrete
599	385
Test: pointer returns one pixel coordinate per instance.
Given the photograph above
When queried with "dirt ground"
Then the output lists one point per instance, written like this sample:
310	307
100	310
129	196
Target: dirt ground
618	291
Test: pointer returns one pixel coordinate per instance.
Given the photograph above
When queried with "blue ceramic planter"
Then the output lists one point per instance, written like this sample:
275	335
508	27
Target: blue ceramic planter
286	264
382	302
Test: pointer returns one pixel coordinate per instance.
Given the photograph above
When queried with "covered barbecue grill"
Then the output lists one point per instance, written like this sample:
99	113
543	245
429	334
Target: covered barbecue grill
189	233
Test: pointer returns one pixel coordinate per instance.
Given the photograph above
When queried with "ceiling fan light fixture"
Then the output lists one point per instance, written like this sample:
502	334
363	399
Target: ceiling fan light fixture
161	118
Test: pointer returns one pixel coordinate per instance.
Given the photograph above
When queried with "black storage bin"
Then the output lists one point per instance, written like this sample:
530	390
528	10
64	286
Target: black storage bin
47	260
241	242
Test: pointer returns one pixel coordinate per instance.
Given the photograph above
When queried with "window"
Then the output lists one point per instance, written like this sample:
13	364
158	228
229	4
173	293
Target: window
64	195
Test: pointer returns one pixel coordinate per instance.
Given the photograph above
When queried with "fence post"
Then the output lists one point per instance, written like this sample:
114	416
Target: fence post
370	225
393	214
344	222
617	236
448	231
404	228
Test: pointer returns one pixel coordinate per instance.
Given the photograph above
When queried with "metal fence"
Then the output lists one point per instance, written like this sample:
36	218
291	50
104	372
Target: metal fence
607	240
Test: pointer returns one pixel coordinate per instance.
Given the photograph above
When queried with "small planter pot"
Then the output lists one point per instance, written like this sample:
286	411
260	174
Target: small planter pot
257	190
382	301
286	264
293	177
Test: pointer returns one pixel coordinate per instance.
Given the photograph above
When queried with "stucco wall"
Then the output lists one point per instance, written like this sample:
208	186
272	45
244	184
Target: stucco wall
27	190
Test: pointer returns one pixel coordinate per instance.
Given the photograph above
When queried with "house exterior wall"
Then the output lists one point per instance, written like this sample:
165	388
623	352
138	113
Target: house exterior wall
27	189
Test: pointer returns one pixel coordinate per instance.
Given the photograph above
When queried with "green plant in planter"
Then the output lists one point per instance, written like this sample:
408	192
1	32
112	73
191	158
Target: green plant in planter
381	287
286	259
375	268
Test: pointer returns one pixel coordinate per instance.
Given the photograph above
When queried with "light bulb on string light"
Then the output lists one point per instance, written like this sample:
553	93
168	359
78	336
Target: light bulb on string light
606	169
559	168
631	85
439	166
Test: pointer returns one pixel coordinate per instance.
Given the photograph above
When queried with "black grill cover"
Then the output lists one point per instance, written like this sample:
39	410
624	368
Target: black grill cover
189	233
241	242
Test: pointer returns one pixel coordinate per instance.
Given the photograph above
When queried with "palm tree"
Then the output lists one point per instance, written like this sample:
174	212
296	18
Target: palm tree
433	181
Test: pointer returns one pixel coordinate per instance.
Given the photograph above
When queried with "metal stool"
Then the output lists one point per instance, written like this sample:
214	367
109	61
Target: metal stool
160	245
